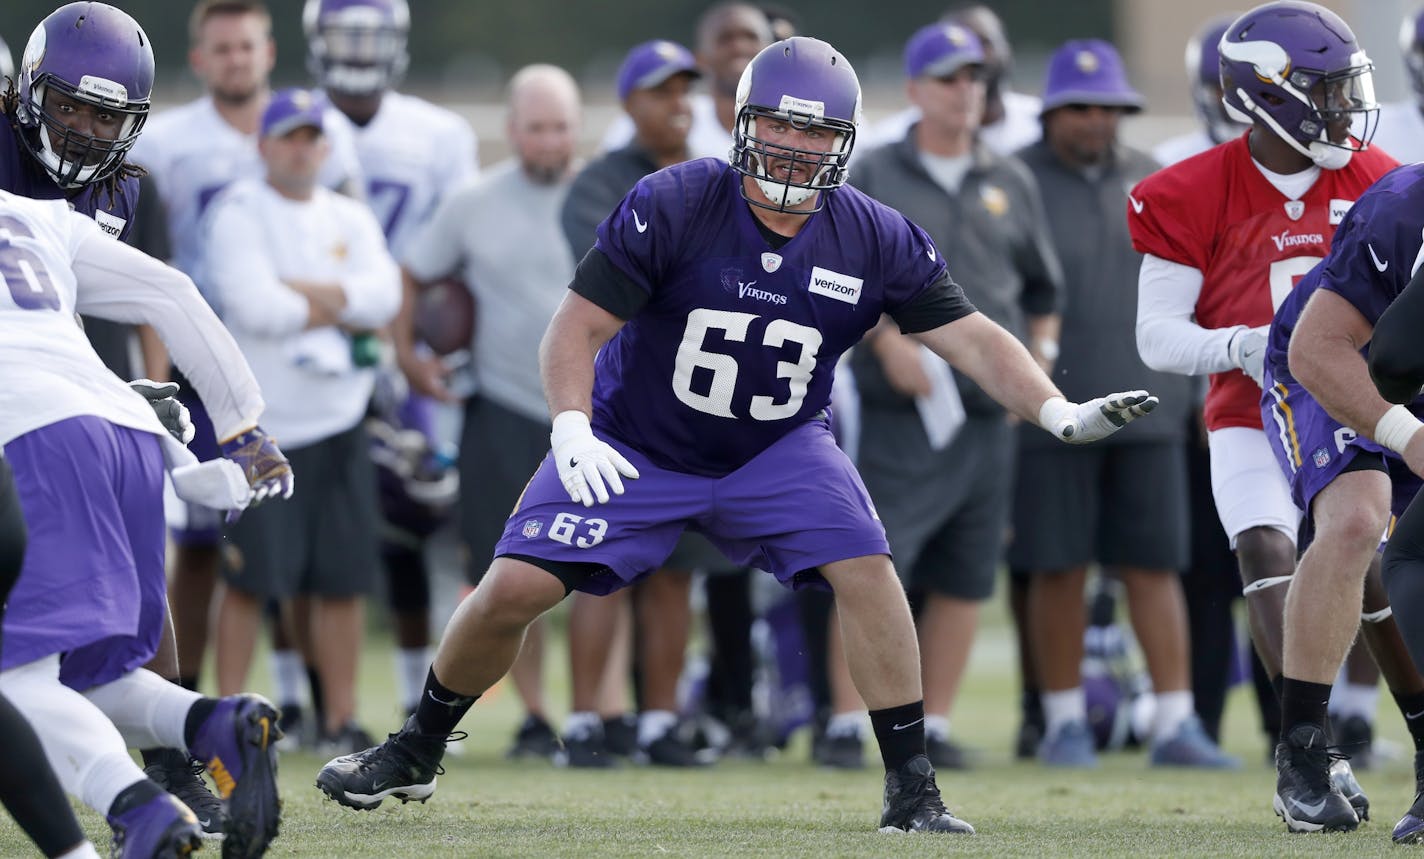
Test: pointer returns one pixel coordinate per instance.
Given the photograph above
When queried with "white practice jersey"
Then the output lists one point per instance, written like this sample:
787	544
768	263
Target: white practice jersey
261	241
1401	131
705	139
412	153
193	154
55	263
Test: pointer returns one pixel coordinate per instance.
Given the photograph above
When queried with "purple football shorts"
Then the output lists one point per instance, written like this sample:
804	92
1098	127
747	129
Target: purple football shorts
795	506
92	586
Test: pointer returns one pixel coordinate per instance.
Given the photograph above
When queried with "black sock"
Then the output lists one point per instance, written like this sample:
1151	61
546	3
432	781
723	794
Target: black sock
440	710
135	795
197	714
1278	683
29	789
1411	706
318	700
188	681
900	731
1303	702
1031	706
729	620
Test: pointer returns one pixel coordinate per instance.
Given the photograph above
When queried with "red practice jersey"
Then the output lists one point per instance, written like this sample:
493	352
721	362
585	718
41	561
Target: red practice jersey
1218	214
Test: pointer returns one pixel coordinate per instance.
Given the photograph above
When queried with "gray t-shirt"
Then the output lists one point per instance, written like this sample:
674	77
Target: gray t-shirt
501	234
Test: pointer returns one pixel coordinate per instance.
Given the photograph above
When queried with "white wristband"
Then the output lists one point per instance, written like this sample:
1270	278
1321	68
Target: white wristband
1396	427
1053	411
569	424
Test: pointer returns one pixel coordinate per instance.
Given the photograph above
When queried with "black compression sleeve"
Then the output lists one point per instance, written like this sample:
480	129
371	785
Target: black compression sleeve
603	283
1396	359
940	303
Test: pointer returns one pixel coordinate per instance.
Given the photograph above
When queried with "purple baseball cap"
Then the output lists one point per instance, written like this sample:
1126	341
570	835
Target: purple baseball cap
939	50
649	64
291	109
1088	71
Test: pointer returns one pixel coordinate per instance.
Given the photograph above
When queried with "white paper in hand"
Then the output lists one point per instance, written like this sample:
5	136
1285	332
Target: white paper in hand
941	411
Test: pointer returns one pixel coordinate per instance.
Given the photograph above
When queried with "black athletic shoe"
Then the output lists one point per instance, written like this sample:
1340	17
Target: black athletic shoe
534	739
670	750
404	767
913	804
946	754
620	735
182	776
1356	736
349	739
585	750
1343	777
841	751
1028	738
1410	828
1305	797
297	731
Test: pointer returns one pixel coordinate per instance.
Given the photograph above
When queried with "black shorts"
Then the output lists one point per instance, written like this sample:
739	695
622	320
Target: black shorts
325	540
945	512
1121	505
499	451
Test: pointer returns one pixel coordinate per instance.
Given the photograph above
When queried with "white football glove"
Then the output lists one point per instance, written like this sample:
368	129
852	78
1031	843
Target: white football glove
1080	423
588	467
1247	350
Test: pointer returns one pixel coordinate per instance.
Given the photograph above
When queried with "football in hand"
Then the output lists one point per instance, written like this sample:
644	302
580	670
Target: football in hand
445	316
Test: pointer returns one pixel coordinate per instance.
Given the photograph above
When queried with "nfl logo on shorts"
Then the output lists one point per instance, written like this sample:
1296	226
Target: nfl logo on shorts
1321	457
532	528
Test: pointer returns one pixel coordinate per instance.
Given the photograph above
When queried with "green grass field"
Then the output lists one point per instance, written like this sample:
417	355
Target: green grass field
486	806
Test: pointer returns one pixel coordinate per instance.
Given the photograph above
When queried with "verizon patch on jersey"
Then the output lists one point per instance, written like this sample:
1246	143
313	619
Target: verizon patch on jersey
1338	208
111	224
832	284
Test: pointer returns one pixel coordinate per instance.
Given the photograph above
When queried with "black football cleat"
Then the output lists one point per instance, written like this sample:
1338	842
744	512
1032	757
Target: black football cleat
1342	775
404	767
1306	798
181	776
913	804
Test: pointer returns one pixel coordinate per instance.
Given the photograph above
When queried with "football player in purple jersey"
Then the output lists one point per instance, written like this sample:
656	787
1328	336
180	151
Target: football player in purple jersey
1353	456
694	352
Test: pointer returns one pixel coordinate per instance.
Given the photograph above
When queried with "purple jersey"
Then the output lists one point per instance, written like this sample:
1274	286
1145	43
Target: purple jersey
1375	252
19	174
737	342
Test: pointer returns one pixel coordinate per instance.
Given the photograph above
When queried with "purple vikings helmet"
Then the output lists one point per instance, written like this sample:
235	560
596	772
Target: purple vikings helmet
356	47
1204	72
91	53
806	83
1411	44
1275	57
